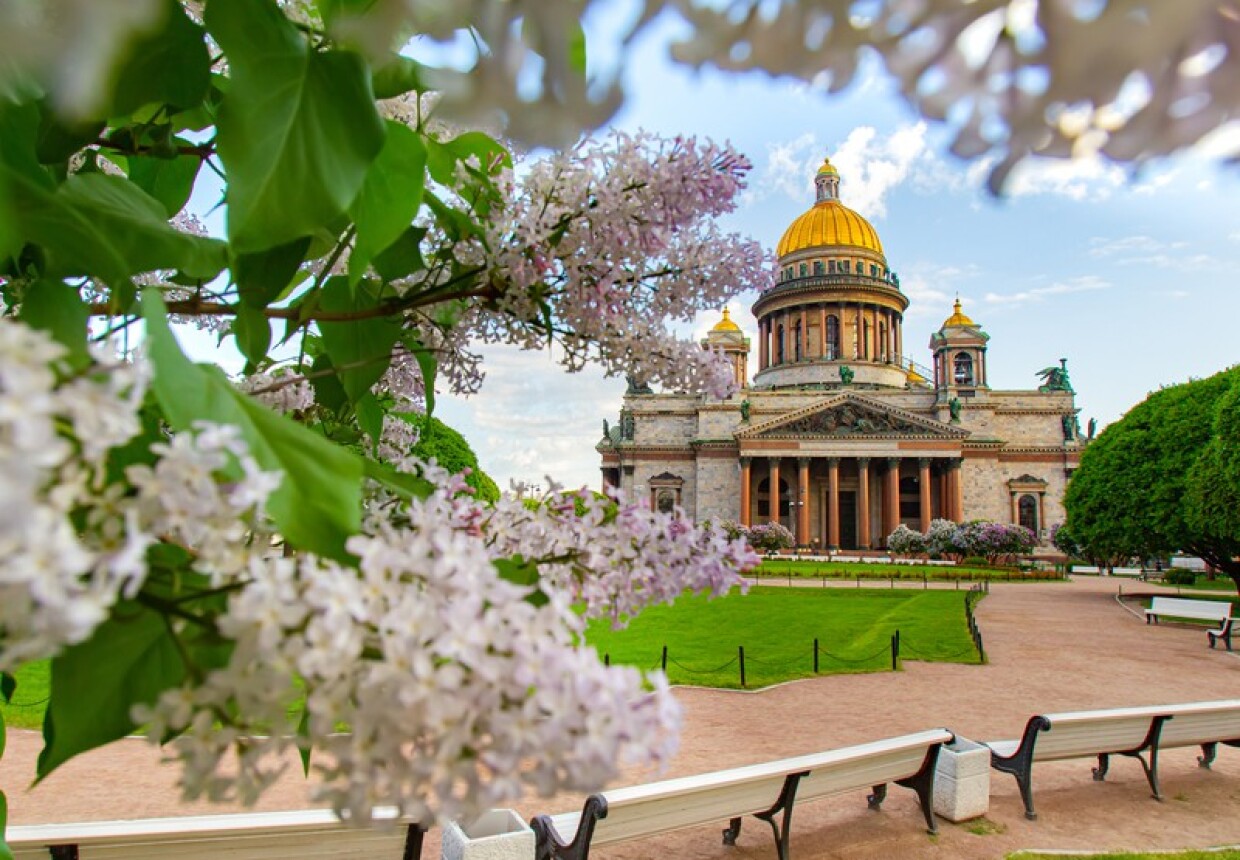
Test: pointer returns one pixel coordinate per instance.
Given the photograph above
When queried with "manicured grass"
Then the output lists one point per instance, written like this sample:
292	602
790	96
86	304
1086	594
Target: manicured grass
33	690
1225	854
777	627
783	567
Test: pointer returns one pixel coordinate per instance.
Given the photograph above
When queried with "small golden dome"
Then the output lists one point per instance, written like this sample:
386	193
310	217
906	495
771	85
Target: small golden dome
828	223
912	375
958	317
827	167
726	323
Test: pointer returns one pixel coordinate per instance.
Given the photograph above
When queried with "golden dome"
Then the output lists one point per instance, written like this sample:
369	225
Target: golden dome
957	318
827	167
829	222
913	376
726	323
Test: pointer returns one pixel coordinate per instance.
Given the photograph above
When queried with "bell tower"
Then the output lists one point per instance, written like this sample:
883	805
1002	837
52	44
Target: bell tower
727	337
959	348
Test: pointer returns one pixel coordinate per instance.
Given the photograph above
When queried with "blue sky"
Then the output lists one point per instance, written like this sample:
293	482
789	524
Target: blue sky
1132	278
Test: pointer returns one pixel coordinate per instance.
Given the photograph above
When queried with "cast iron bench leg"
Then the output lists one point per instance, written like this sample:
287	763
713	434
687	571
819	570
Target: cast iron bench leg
548	845
786	799
922	782
1020	763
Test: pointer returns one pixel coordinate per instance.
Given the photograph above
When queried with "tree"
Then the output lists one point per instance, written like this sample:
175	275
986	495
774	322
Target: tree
450	450
245	564
1214	481
1148	484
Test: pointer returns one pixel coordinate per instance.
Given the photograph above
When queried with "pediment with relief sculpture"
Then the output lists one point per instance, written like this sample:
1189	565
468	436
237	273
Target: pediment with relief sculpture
852	416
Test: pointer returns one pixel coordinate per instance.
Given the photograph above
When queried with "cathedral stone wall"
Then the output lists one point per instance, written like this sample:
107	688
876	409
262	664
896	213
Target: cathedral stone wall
718	489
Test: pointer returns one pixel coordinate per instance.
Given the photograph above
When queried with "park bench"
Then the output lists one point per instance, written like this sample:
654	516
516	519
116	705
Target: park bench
1135	732
763	790
1202	610
299	835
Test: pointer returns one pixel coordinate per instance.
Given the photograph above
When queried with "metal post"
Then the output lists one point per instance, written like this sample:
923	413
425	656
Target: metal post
606	659
741	654
665	659
815	655
895	650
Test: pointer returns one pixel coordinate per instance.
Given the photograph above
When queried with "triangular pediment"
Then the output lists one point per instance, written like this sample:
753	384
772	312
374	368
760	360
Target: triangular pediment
849	415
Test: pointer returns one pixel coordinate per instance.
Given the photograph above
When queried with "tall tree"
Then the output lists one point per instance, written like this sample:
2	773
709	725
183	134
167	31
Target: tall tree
1139	489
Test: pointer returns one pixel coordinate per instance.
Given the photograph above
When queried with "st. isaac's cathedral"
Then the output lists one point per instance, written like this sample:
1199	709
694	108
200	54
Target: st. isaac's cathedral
839	434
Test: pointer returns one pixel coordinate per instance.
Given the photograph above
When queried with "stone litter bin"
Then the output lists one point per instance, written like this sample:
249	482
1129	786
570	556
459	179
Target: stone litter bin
500	834
962	780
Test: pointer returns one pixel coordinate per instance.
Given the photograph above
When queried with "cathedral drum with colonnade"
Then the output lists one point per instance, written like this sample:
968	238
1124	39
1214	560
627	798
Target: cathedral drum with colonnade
840	435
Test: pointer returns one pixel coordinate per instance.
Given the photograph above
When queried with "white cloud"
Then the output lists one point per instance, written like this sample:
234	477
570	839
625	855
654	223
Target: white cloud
1081	284
532	419
1087	178
1148	251
871	166
1125	246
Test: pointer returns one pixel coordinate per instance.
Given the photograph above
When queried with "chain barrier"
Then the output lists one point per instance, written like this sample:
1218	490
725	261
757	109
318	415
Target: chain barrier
685	668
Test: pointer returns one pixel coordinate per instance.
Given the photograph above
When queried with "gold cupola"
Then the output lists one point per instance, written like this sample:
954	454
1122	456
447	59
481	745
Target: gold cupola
834	314
829	222
959	348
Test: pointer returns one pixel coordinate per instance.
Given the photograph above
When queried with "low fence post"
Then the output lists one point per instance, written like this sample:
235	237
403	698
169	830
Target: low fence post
664	659
740	650
606	659
815	656
895	651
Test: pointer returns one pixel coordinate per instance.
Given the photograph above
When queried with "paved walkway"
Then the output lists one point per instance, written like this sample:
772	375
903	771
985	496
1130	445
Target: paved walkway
1052	647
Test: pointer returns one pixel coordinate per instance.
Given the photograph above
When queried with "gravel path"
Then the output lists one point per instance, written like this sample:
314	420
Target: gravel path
1052	647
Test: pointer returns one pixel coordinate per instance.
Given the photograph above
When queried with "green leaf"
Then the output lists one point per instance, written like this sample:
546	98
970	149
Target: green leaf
170	65
429	366
168	180
298	129
263	277
130	659
370	417
57	141
409	486
5	852
57	308
328	392
102	225
252	330
360	349
397	76
519	571
403	257
442	157
390	196
318	505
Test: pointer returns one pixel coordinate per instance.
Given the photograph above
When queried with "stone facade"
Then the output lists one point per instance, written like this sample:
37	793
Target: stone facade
856	436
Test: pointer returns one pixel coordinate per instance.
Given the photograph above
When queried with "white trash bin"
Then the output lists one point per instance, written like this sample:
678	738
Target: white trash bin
500	834
962	780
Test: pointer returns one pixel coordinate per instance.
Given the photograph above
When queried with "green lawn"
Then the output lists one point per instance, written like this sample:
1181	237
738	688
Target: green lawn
783	567
1225	854
33	689
777	627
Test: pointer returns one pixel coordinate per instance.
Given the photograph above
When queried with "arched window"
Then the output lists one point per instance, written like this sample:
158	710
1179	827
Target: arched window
779	345
831	266
962	369
796	341
833	338
1028	508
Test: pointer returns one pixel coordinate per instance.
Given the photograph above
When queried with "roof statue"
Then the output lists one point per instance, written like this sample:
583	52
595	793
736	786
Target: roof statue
1055	378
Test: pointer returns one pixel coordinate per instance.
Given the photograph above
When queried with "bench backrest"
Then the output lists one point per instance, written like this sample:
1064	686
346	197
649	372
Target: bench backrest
1220	609
299	835
1085	733
659	807
1201	723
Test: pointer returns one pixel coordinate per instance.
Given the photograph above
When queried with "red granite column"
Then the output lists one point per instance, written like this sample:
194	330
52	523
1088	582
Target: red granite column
891	497
923	485
803	501
745	477
863	502
833	504
774	493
